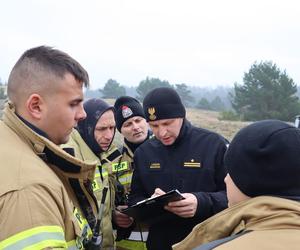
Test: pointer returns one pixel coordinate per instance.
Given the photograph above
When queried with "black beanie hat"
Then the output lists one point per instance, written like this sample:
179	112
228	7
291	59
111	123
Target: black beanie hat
127	107
163	103
94	109
264	159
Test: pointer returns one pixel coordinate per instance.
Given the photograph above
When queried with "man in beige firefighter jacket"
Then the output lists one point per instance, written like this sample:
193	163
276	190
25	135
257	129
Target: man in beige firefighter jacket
92	140
263	189
46	199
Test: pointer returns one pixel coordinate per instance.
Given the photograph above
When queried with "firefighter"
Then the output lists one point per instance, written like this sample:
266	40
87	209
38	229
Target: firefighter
45	193
263	189
182	157
92	140
131	123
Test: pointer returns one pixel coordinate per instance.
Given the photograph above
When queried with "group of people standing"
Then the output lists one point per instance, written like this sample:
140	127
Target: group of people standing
64	183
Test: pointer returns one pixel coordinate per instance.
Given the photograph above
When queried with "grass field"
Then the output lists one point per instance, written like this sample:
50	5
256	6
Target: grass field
209	120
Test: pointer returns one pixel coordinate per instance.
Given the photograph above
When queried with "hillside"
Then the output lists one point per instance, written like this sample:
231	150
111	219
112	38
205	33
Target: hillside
209	120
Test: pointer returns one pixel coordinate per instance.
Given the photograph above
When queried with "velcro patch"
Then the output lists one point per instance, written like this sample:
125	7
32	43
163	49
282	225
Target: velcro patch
120	167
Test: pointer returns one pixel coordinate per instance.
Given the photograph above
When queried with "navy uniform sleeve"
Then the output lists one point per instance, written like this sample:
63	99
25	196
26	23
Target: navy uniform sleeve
210	203
137	192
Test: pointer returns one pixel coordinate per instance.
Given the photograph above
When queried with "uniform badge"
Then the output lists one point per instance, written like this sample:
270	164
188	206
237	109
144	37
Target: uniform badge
155	165
126	111
151	112
192	164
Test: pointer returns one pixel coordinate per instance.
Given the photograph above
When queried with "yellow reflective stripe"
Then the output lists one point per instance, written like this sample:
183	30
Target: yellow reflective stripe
125	178
72	245
46	244
46	236
104	173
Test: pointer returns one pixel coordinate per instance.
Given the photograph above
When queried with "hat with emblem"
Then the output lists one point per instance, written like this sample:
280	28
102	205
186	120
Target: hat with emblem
263	159
163	103
127	107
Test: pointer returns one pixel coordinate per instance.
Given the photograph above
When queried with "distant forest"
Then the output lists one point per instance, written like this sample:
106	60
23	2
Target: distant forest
267	92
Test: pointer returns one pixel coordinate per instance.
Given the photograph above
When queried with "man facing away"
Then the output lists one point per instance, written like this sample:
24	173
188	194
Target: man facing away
182	157
263	189
45	194
131	123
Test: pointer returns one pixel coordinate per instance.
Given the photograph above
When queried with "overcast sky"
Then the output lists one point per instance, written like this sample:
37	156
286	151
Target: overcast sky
200	43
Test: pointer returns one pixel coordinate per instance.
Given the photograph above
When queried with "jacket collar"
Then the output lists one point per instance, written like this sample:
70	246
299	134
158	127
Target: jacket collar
46	149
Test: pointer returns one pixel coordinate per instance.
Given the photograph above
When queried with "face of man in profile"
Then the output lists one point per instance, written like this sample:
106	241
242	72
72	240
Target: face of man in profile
166	130
62	109
135	129
105	130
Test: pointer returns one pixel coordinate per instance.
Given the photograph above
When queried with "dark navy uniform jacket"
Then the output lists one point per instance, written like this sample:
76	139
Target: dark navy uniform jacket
192	164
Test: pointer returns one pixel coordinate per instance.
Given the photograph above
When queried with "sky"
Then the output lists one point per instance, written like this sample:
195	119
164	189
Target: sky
200	43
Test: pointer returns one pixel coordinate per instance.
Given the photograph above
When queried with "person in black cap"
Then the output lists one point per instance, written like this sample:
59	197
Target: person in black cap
263	189
92	140
131	123
182	157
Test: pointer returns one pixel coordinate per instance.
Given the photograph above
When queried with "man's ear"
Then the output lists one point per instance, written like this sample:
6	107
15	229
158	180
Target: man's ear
34	106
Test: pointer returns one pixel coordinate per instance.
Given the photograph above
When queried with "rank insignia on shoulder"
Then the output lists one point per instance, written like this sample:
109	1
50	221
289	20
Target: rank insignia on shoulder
192	164
155	165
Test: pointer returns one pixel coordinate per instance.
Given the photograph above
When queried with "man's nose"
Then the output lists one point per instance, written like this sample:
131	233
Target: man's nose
81	114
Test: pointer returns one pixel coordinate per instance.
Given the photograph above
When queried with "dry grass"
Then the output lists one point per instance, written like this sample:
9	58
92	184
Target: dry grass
209	120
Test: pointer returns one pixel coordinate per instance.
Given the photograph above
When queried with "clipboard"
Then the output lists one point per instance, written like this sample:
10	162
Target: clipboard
151	208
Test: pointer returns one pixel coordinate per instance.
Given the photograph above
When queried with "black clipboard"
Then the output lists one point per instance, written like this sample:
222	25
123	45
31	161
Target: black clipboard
151	208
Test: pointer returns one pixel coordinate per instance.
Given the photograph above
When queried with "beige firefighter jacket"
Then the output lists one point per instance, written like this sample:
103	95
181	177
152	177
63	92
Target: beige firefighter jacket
39	206
103	178
265	223
124	170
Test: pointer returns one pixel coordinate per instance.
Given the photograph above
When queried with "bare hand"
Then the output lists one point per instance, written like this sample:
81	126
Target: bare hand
185	208
157	192
121	219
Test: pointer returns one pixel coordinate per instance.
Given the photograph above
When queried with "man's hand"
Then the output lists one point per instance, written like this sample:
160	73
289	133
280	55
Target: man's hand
157	192
122	220
185	208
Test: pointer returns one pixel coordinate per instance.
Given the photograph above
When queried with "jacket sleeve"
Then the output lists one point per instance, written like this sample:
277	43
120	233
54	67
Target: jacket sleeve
137	192
210	203
31	217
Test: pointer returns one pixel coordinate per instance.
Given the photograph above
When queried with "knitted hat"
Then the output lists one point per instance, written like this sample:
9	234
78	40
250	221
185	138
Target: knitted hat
127	107
264	159
163	103
94	109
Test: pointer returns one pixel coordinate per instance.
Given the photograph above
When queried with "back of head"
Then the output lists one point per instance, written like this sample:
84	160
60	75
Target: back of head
263	159
163	103
127	107
94	109
36	71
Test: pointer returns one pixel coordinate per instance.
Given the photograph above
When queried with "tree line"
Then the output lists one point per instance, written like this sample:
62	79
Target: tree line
267	92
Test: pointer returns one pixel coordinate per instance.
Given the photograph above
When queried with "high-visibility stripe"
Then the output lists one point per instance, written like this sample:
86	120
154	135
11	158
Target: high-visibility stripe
125	178
104	173
36	238
72	245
